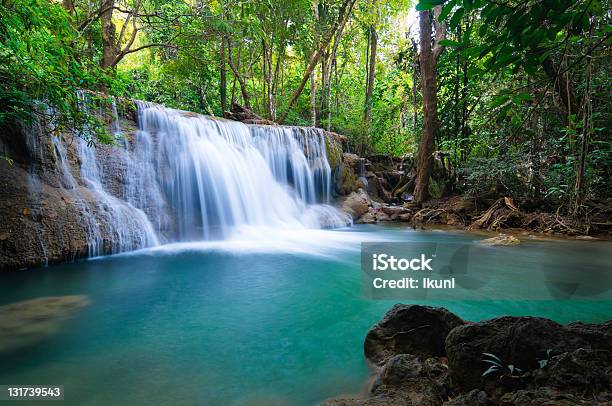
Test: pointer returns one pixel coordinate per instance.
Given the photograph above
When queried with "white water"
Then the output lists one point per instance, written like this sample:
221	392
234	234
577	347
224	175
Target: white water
185	177
217	176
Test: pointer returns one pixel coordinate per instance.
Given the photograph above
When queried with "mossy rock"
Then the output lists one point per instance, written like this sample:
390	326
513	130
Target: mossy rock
334	152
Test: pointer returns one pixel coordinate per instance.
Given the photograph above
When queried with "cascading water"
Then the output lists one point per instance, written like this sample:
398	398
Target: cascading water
219	175
183	177
128	226
109	223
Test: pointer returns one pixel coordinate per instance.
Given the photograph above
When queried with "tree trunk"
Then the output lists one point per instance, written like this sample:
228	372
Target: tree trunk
367	115
223	78
586	132
68	5
313	79
274	99
109	46
322	106
246	100
345	11
562	87
427	59
313	94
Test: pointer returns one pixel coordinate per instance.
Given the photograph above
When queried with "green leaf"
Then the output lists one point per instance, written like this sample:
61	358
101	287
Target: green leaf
428	4
448	7
490	370
495	357
454	21
503	113
498	101
449	43
521	97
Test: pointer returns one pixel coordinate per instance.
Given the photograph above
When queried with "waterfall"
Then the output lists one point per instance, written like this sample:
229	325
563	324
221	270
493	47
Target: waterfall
217	175
179	177
128	227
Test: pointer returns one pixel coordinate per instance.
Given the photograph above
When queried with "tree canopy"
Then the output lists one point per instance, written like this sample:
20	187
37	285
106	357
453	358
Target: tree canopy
522	88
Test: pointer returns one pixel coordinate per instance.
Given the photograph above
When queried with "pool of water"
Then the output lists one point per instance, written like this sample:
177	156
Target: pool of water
267	318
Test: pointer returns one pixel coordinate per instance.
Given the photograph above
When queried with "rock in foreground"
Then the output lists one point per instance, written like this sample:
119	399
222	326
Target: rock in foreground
410	329
424	355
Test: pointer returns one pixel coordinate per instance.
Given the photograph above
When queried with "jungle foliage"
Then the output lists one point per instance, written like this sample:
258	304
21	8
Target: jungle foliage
522	87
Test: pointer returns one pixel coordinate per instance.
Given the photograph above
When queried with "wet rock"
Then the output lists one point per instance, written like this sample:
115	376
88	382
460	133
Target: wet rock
474	397
560	364
400	369
356	204
382	216
579	372
245	115
406	378
405	217
410	329
333	149
396	212
502	239
520	341
380	212
368	218
28	322
542	397
347	175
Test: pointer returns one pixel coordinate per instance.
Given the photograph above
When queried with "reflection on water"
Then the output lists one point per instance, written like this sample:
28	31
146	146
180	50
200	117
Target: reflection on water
263	318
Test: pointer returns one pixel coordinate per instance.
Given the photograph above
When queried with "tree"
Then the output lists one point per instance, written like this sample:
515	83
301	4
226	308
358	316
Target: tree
343	15
428	57
370	77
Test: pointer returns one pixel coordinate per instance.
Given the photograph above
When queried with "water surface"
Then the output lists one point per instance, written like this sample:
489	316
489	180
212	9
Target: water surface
265	318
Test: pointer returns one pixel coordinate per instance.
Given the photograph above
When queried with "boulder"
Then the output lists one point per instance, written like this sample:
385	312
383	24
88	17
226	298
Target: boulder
406	379
559	364
382	216
356	204
410	329
368	218
396	212
583	371
542	397
347	175
518	341
472	398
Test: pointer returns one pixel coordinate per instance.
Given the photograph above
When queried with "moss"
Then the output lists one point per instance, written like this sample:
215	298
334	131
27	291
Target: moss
334	151
435	189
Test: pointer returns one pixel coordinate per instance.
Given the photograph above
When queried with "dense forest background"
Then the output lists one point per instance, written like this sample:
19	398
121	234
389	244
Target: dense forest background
504	97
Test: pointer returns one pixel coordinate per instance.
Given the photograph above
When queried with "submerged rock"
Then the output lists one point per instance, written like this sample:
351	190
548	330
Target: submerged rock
502	239
410	329
26	323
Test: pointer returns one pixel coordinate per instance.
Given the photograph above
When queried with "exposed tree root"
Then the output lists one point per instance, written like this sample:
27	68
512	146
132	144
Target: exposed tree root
503	213
437	215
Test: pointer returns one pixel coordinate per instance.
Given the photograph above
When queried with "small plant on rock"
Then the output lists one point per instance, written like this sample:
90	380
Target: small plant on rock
498	367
